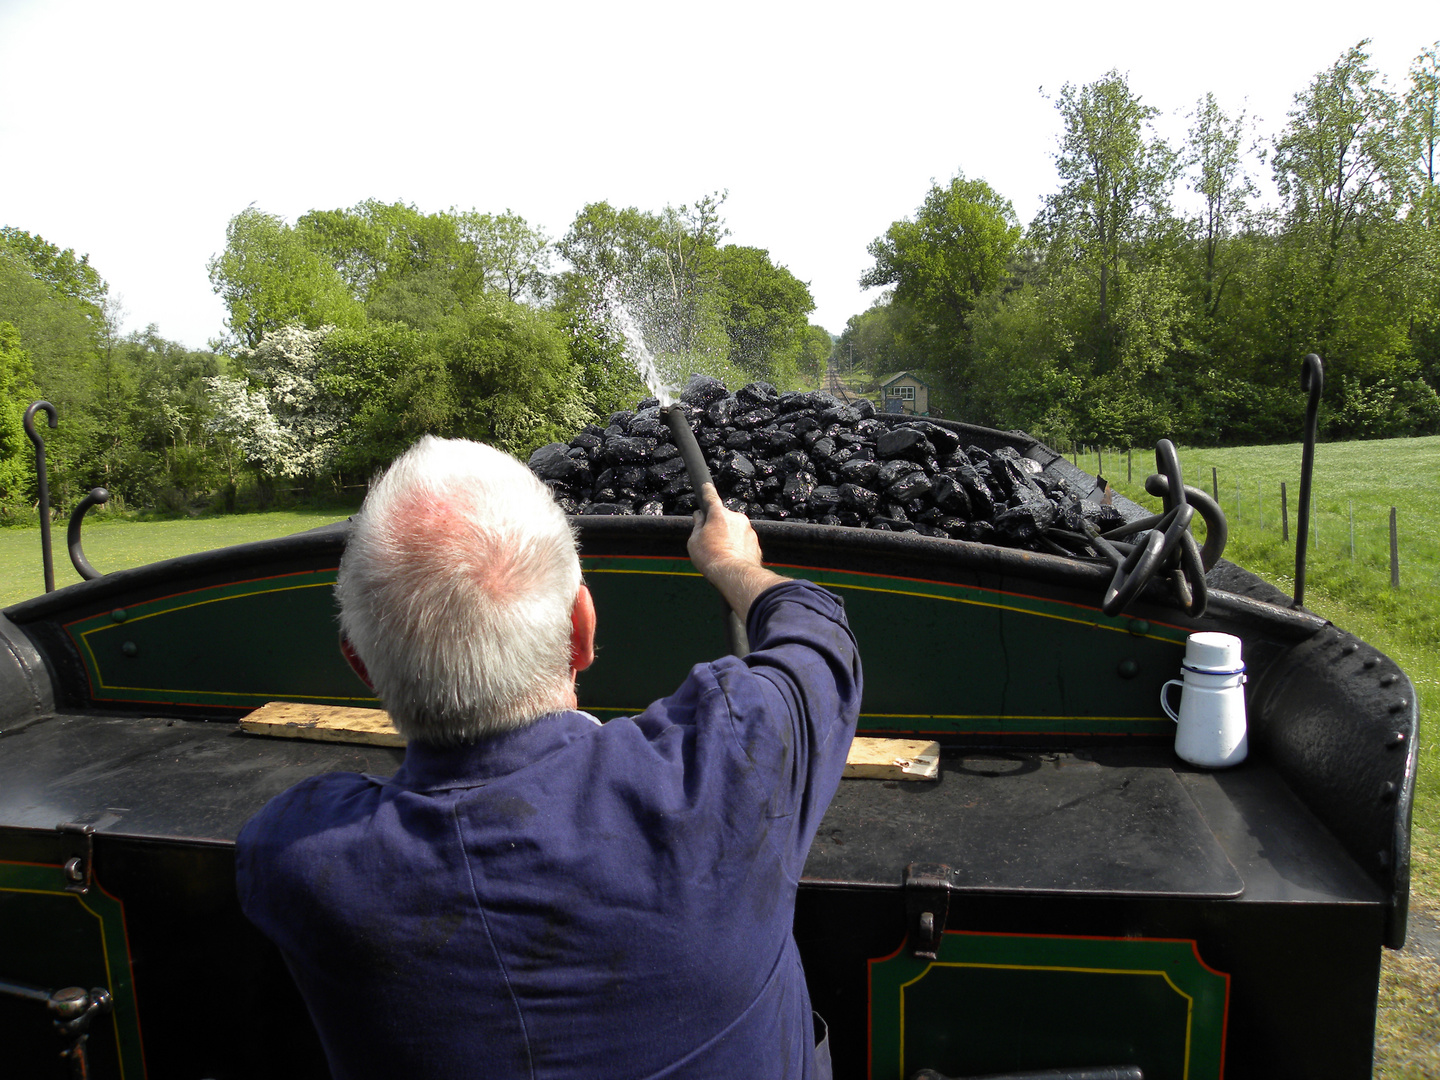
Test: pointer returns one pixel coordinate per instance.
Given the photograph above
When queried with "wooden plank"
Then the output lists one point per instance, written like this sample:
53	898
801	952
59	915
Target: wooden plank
884	759
323	723
893	759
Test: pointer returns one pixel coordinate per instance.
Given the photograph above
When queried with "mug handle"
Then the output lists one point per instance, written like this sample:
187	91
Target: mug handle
1165	704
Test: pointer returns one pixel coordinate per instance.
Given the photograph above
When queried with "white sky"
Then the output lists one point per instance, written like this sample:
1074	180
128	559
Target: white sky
134	129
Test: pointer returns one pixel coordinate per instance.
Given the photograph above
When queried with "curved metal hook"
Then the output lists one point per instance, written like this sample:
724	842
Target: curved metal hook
97	497
36	406
1312	378
43	483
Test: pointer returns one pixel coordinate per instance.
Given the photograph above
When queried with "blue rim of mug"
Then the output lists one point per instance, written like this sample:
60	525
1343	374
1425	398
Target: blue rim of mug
1212	671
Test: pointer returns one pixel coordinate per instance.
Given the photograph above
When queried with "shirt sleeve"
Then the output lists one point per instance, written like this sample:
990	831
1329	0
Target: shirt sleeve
795	699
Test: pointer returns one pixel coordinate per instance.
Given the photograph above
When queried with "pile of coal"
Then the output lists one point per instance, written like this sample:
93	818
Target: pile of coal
807	456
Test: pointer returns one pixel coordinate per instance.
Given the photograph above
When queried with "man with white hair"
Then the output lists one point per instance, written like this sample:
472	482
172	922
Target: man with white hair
534	894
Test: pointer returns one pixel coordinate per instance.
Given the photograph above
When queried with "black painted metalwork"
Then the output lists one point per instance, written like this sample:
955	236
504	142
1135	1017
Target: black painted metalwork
1145	561
98	497
1312	380
43	480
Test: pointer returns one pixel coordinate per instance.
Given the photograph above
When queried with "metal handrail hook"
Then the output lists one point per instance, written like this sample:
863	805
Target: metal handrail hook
1312	379
43	482
98	497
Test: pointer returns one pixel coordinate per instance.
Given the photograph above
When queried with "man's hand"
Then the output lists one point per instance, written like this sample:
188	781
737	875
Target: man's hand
726	550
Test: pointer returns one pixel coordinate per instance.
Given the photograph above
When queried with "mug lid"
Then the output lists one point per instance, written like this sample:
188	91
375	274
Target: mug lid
1213	653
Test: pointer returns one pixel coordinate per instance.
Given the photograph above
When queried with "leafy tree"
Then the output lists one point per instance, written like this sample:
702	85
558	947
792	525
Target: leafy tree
1216	153
1114	200
510	377
56	302
662	269
815	353
956	249
17	390
1348	271
764	309
597	345
391	386
509	256
270	276
281	417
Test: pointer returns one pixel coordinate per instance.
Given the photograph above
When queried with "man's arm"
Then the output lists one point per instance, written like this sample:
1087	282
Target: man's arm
726	550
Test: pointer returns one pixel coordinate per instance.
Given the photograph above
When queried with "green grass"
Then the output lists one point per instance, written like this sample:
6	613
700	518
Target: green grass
118	544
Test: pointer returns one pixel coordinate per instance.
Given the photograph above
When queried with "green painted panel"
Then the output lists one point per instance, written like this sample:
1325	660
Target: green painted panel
994	1003
939	658
240	644
52	939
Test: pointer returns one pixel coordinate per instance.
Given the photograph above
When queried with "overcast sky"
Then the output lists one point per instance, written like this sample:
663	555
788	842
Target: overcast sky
135	130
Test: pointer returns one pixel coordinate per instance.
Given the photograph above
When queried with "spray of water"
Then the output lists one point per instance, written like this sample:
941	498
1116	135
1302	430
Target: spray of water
636	351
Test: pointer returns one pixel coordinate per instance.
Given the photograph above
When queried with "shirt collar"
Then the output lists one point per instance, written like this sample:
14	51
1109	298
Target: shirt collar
435	768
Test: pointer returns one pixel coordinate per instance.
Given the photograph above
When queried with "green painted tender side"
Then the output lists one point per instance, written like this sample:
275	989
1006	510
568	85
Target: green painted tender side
941	658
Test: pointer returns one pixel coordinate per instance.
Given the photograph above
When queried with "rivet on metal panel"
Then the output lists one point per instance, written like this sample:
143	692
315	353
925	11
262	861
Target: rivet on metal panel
1127	669
1387	791
129	648
1370	661
1397	738
1383	858
1139	626
1351	647
1401	705
119	615
1388	679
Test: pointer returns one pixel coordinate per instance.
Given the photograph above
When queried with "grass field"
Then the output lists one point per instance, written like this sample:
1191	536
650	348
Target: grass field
1363	479
118	544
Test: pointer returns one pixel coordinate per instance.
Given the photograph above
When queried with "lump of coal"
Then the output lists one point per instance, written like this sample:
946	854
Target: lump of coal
807	456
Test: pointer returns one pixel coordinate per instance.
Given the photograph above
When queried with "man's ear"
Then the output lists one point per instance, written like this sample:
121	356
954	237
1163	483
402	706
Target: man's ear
353	659
582	630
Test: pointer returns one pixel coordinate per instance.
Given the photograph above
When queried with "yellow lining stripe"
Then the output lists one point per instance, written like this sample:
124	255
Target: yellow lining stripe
1189	1001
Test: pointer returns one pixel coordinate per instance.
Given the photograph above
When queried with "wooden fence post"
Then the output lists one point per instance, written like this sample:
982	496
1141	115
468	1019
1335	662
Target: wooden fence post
1394	552
1284	514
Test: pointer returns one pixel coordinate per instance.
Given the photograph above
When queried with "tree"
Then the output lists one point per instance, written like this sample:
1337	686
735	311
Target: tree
764	307
956	249
815	353
56	302
510	257
1114	200
1215	152
1344	270
510	377
17	390
285	422
662	269
270	277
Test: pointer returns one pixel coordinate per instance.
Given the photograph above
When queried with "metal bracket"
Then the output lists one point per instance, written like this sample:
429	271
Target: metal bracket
81	861
927	905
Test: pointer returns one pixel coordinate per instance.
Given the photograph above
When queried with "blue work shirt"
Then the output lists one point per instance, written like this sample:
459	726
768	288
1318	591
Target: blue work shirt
574	899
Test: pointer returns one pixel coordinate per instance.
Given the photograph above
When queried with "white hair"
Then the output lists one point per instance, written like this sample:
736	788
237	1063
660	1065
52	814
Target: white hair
456	591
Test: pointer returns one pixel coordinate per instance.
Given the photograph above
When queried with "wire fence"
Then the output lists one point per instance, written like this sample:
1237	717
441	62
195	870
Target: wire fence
1390	541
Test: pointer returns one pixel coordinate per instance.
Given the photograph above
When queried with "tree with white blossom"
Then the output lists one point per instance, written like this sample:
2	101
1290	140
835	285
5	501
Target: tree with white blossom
285	423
